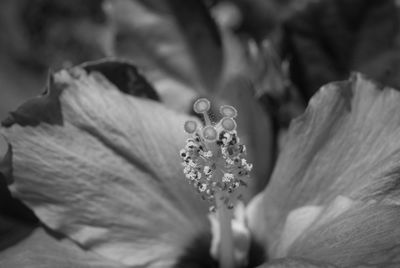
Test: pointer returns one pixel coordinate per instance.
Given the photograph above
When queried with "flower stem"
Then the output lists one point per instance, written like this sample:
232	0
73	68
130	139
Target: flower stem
226	258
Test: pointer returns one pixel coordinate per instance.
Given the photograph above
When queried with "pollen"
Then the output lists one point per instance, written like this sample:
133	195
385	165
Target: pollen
213	157
228	177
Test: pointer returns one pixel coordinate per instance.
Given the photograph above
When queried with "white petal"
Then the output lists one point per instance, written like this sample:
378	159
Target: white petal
108	175
347	143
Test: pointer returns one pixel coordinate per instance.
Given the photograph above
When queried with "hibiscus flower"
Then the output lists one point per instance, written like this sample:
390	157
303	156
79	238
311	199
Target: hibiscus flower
100	168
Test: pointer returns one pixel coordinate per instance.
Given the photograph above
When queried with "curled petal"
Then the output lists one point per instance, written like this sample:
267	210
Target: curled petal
345	144
106	173
163	38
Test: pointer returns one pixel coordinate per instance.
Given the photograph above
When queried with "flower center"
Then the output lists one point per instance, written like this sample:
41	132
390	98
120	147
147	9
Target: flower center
213	157
214	164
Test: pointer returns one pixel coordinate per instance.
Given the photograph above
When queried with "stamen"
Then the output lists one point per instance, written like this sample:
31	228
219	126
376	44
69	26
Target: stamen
228	177
214	164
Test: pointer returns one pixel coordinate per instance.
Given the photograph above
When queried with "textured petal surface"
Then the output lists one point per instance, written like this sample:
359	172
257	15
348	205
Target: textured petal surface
295	263
345	144
41	250
352	234
105	170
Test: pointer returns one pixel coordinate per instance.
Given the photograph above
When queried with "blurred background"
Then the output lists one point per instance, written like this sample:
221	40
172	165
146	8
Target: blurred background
291	47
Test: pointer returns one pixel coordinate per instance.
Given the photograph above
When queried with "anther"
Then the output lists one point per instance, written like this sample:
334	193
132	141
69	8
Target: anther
207	170
183	153
207	154
242	148
203	187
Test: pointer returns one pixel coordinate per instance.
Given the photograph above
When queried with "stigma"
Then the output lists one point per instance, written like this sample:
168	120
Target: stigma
213	157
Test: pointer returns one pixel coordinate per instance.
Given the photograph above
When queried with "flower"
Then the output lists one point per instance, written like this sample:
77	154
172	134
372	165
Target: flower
102	168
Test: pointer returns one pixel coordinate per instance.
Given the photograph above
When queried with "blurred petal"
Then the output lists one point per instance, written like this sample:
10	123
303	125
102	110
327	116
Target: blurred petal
326	40
177	37
124	76
173	93
296	223
243	69
41	250
255	129
185	56
346	144
103	168
263	19
38	35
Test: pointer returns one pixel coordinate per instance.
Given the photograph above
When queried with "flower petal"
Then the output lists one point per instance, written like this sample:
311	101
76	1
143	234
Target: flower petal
123	75
355	235
106	172
5	161
255	125
178	38
42	250
346	144
295	263
12	231
12	211
192	51
255	129
16	220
